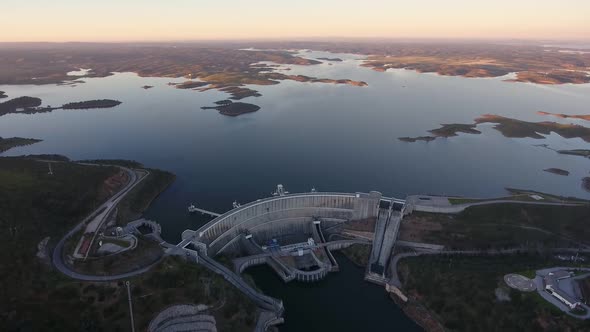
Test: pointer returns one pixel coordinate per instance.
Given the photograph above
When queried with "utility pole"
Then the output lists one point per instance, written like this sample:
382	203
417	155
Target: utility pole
130	306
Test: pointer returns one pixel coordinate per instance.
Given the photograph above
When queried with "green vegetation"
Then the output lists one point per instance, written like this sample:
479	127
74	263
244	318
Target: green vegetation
98	103
146	253
13	105
520	196
518	128
175	281
510	128
358	254
118	162
461	292
143	194
36	205
233	109
11	142
501	226
34	297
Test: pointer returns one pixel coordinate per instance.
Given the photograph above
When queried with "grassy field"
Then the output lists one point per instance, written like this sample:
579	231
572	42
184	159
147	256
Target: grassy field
461	292
358	254
501	225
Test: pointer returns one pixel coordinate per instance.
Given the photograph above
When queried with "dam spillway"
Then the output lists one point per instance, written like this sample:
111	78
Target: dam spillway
287	217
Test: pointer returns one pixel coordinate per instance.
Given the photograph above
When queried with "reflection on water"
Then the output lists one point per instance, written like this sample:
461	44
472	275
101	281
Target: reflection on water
341	302
332	137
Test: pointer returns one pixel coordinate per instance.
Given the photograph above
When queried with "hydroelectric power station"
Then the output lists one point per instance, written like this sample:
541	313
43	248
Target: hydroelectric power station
294	234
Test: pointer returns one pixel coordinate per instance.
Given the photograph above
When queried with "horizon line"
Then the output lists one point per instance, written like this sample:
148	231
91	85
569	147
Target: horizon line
307	39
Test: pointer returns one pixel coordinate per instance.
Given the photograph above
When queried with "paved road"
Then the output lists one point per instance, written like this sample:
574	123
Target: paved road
107	206
440	204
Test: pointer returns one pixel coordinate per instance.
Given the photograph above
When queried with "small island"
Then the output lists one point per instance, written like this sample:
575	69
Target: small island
98	103
446	130
416	139
13	105
3	95
12	142
31	105
229	108
145	87
331	59
557	171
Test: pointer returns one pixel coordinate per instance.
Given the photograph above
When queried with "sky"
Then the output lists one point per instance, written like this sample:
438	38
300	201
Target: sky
176	20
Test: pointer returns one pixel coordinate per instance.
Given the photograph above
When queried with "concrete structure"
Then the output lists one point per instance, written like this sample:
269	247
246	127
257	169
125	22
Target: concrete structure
288	218
183	317
551	283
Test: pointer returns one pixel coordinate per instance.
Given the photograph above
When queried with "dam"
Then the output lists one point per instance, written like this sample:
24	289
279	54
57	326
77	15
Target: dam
287	218
294	235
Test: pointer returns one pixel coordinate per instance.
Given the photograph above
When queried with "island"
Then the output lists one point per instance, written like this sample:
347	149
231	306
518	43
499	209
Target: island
229	108
98	103
3	95
331	59
13	105
416	139
31	105
12	142
511	128
557	171
446	130
145	87
517	128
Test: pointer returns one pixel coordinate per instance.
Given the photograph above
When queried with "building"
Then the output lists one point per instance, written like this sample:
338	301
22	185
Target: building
551	282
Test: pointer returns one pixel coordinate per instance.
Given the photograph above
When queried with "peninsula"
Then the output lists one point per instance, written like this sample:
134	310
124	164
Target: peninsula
511	128
566	116
12	142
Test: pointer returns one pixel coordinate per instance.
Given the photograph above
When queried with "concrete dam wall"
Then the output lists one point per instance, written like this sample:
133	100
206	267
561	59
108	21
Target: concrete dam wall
288	216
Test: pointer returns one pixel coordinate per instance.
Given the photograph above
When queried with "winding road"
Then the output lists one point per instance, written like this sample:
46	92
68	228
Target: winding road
99	215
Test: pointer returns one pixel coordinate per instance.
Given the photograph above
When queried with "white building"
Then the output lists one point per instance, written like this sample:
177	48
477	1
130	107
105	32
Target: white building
551	282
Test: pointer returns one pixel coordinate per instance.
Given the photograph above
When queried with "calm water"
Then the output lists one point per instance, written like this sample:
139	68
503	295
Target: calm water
341	302
336	138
